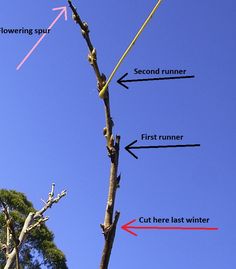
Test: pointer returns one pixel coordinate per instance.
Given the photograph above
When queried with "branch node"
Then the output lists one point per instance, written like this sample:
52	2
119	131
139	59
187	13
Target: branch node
101	82
109	231
111	142
105	131
85	29
92	57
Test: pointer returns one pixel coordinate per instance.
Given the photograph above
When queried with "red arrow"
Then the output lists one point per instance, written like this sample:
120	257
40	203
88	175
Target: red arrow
127	228
63	11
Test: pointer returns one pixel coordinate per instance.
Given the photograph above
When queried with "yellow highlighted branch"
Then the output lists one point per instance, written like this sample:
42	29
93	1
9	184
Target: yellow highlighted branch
104	89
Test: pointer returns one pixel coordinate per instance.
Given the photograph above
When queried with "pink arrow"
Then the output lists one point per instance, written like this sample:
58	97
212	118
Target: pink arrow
63	11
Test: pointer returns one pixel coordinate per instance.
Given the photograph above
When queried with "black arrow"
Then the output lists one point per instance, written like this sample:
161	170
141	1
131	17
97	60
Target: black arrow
130	146
121	81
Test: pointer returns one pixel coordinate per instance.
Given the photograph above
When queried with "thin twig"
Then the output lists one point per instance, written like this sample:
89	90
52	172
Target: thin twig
92	57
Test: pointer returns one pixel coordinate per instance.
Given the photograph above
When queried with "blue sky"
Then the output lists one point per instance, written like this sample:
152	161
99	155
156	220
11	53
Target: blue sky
52	120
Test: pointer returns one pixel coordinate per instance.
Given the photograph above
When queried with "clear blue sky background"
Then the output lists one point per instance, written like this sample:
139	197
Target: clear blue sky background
51	122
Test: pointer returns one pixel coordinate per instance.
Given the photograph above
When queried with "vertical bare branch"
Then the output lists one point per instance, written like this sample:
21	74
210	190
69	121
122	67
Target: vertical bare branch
11	234
112	144
8	231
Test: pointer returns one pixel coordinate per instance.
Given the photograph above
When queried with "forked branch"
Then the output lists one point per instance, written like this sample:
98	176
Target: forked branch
32	221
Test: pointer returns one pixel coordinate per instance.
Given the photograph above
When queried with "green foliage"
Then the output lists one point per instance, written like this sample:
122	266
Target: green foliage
38	250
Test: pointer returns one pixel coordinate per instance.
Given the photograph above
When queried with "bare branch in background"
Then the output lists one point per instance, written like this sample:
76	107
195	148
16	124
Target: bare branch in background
33	220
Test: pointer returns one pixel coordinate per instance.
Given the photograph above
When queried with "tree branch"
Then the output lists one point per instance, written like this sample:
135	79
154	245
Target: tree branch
11	234
33	220
112	144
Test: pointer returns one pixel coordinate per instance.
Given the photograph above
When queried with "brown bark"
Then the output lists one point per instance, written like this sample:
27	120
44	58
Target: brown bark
112	144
